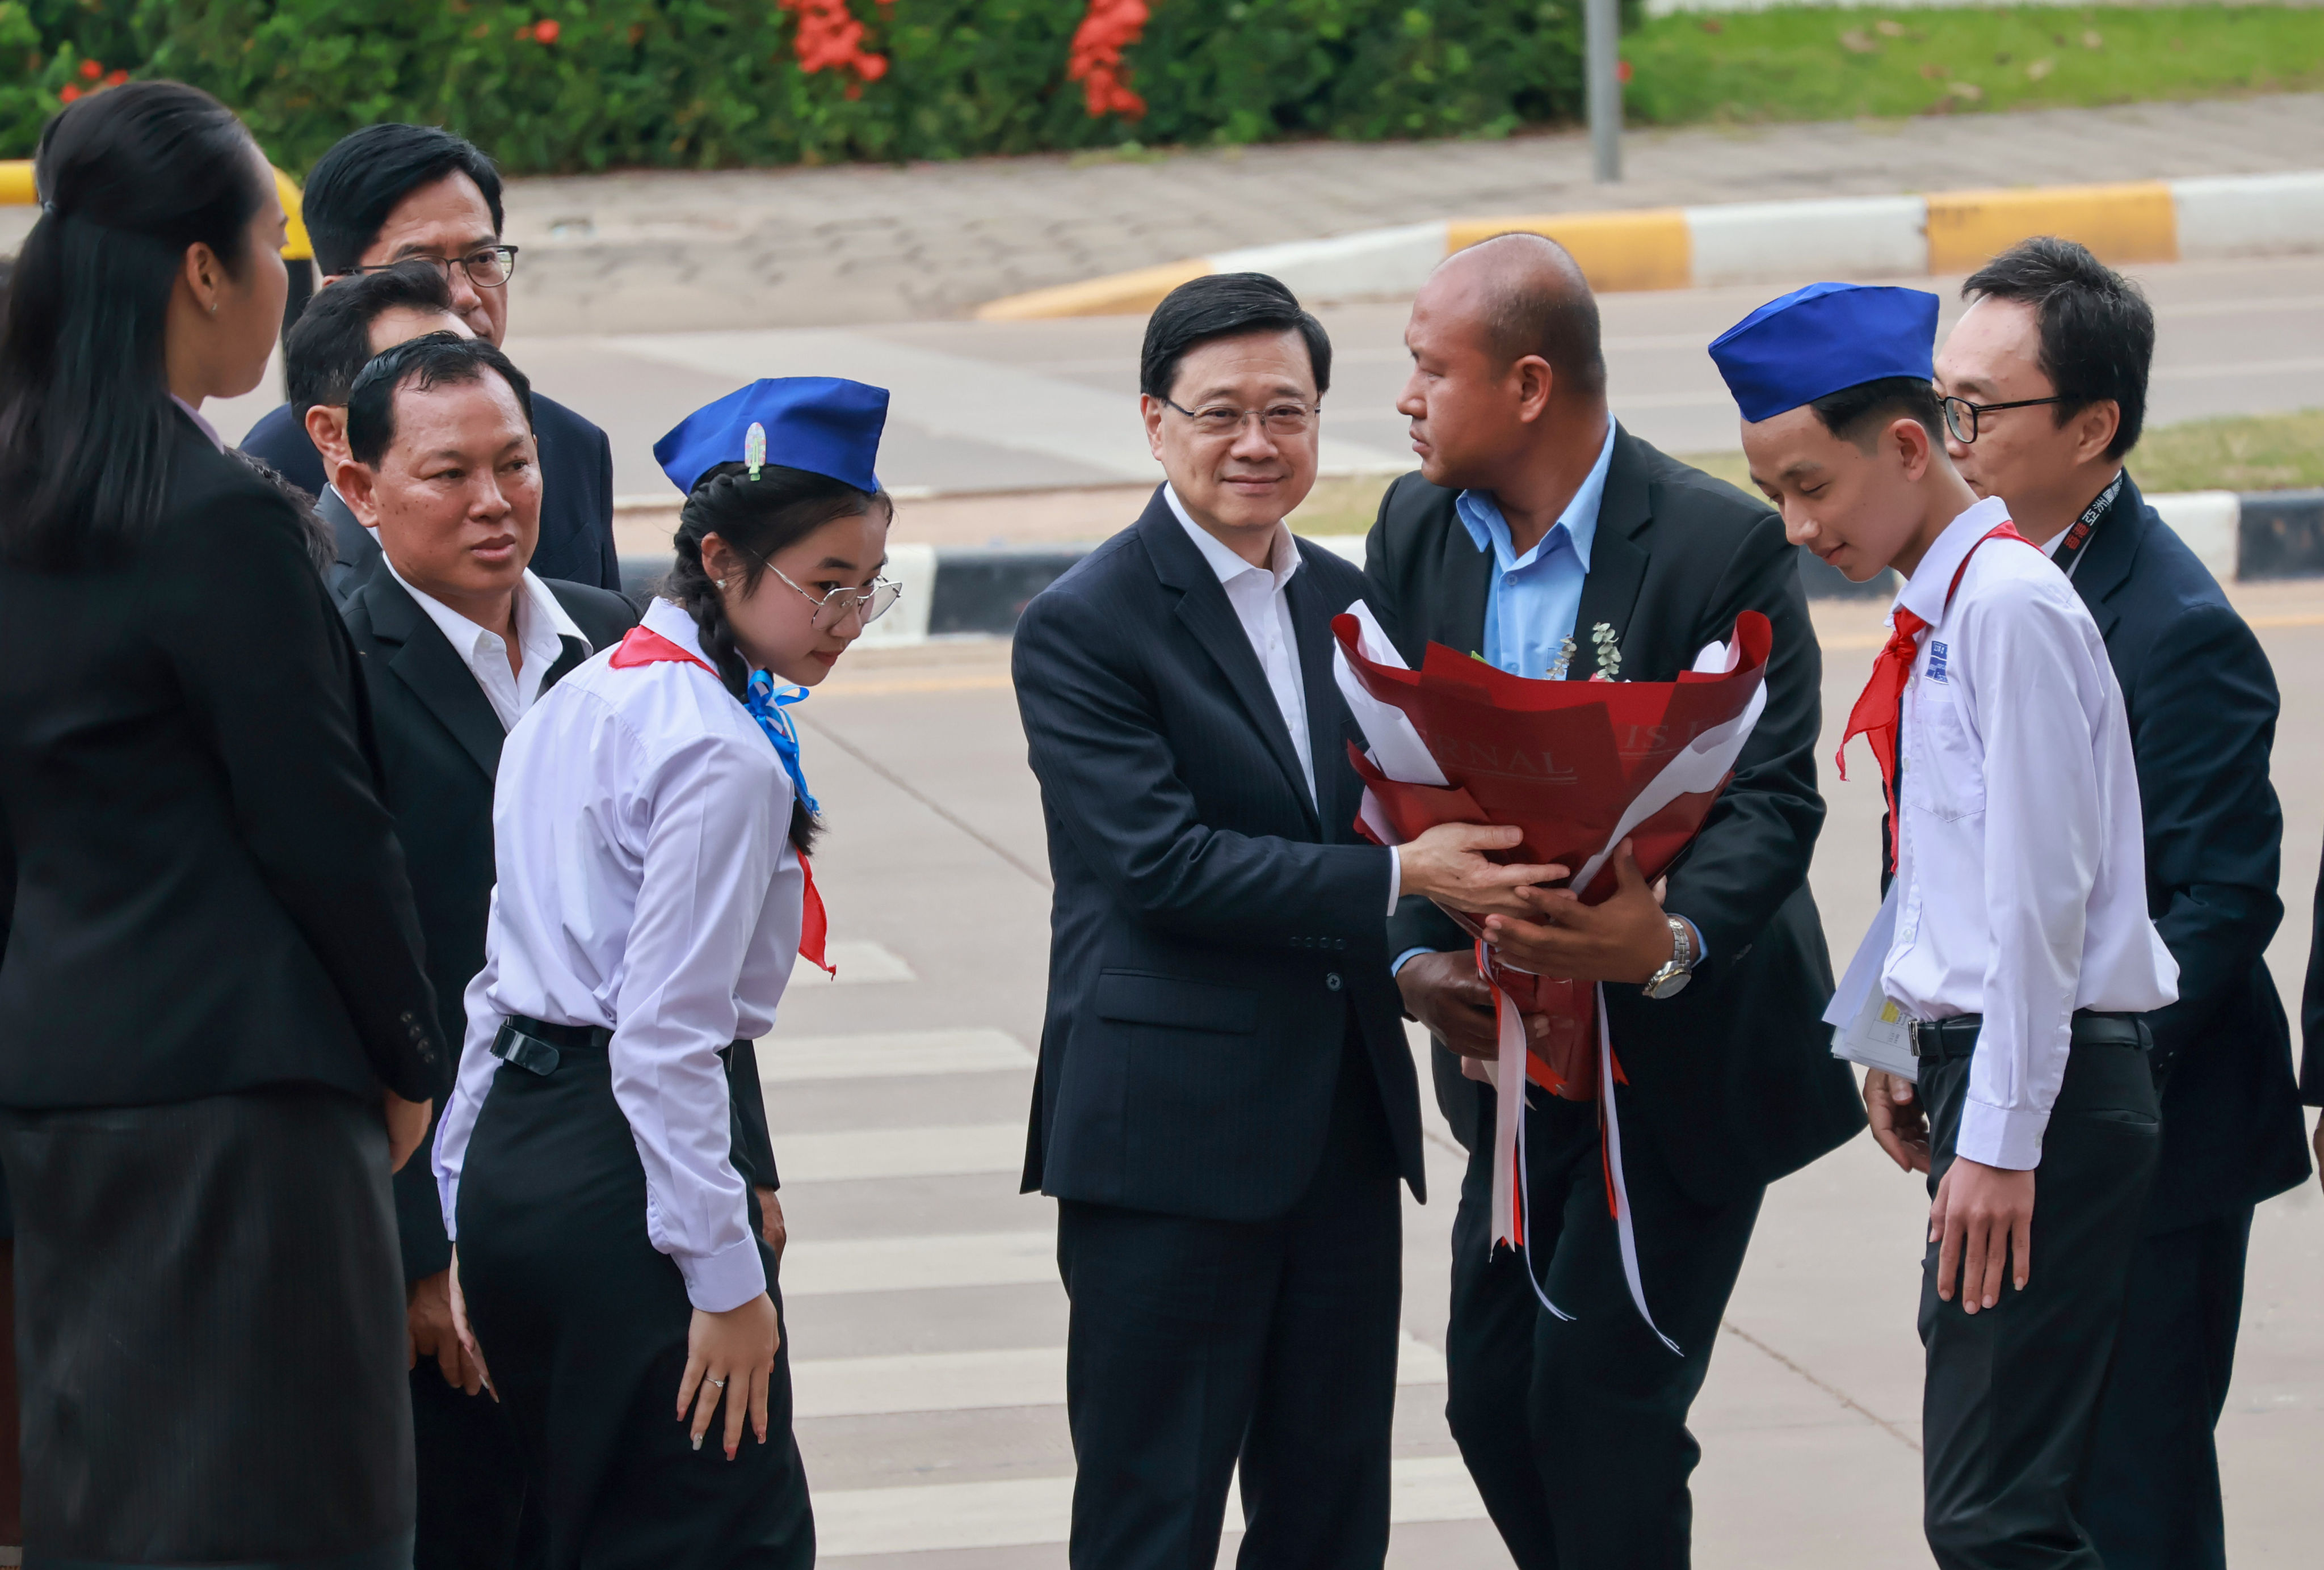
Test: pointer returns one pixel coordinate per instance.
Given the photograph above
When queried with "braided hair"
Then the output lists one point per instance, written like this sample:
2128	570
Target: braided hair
756	518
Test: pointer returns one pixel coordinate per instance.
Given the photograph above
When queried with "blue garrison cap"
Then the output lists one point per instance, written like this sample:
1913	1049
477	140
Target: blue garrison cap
824	424
1818	339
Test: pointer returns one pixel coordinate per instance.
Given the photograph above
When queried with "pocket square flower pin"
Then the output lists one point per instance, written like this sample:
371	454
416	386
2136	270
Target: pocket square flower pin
1609	654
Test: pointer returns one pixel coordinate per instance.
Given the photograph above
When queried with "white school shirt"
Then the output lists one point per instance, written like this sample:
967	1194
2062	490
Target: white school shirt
1260	604
648	886
541	626
2021	860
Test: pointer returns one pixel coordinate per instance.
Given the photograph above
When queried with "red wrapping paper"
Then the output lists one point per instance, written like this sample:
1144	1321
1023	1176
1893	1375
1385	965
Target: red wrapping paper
1562	761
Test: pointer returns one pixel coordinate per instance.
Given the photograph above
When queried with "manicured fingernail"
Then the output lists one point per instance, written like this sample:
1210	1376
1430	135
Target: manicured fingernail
697	1441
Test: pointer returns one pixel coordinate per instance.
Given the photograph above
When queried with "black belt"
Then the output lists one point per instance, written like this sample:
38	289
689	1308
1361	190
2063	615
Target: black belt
539	1046
1957	1037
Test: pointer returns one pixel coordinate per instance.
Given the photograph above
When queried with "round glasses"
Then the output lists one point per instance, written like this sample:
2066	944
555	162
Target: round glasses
872	602
1961	415
490	268
1223	420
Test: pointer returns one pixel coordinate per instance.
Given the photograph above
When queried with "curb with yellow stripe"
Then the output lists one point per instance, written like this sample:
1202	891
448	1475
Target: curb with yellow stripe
1851	237
16	190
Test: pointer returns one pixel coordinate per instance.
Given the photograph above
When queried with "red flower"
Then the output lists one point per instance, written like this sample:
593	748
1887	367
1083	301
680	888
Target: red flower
92	69
117	78
829	37
1110	27
1622	72
525	33
546	31
70	93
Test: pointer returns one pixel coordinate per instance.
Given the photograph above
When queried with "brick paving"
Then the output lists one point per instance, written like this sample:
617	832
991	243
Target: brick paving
812	247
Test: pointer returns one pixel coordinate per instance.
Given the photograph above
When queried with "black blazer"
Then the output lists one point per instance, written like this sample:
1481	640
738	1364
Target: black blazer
358	553
1734	1076
577	498
2201	702
209	894
1213	930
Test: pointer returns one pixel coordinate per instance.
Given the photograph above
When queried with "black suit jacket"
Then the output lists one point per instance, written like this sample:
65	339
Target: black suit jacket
358	552
577	497
2201	702
1213	928
1734	1076
208	894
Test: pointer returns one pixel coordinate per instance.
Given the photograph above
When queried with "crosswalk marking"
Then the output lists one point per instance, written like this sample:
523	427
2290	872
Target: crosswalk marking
960	1382
819	1268
857	1154
1015	1512
890	1055
854	964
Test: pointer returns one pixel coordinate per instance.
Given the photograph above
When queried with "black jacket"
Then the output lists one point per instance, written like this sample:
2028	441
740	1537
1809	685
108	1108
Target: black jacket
210	896
577	498
1214	929
1734	1076
2202	703
358	551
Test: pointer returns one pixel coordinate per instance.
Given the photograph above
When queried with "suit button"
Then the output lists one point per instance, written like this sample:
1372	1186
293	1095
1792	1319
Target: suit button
1332	981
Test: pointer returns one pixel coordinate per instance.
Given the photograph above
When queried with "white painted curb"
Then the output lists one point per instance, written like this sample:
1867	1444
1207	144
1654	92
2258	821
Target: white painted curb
2209	521
1387	261
1773	241
2243	214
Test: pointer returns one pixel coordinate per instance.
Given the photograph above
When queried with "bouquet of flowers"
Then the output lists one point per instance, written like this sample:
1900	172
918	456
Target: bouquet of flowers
1578	766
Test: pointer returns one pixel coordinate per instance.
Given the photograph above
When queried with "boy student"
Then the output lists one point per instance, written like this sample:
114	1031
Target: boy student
2013	943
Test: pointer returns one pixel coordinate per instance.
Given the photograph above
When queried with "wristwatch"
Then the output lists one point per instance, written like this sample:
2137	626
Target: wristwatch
1673	978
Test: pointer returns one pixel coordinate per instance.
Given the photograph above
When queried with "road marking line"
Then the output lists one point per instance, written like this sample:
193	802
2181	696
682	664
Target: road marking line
890	1055
813	1268
860	1154
1018	1512
962	1381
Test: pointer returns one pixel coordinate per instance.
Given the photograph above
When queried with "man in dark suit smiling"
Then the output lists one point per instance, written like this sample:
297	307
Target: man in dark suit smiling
1225	1101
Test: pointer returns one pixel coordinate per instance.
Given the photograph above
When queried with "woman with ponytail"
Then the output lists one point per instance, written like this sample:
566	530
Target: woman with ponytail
214	1032
651	824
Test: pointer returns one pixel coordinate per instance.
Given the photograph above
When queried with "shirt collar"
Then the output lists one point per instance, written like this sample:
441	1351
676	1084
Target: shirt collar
541	624
1283	558
200	423
1931	583
1480	513
676	622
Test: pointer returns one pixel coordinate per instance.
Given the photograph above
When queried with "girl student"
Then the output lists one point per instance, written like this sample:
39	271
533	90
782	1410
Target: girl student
651	820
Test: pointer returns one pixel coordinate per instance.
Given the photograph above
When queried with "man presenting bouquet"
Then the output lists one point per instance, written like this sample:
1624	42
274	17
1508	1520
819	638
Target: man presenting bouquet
1547	541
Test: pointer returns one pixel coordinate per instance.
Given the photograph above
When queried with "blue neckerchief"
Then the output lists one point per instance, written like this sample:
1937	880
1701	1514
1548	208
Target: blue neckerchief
767	702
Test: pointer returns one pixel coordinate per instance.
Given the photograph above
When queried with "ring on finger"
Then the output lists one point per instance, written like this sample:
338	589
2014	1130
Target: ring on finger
719	1383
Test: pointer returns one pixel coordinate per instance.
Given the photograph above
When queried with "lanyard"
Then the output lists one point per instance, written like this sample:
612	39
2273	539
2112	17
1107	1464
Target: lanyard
2078	533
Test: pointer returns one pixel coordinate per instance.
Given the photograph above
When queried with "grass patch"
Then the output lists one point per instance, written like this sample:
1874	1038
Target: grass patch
1819	64
2267	452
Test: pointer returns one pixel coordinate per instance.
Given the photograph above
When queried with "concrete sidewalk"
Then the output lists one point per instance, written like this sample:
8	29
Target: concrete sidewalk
820	247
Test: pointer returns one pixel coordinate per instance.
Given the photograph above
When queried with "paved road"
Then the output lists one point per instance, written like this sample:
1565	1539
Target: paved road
926	1318
992	405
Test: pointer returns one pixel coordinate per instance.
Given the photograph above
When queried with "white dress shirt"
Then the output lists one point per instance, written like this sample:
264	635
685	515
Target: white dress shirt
2020	863
1256	594
541	625
648	886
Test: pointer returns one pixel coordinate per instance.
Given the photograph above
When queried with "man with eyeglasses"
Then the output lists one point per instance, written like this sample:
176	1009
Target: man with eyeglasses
395	194
2043	385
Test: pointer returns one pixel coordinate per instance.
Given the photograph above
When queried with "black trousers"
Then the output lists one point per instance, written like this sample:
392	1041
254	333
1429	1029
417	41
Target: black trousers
1575	1430
2151	1500
2011	1392
584	1324
472	1487
1197	1344
211	1335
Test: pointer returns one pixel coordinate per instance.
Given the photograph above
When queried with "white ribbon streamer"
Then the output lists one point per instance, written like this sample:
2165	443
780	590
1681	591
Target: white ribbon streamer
1625	1231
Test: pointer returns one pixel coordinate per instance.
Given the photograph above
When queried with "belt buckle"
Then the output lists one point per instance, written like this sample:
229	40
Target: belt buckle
1913	1036
531	1053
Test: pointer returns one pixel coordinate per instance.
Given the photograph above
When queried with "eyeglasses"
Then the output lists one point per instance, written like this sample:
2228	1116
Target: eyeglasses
1960	413
490	268
871	602
1223	420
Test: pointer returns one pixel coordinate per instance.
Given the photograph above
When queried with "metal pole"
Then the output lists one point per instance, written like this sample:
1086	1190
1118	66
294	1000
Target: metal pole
1601	49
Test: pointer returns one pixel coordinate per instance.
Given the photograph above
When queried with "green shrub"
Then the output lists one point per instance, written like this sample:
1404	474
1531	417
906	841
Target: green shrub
710	83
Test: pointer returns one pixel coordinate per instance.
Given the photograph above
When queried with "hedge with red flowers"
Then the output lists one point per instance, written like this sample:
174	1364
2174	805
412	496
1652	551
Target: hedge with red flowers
567	85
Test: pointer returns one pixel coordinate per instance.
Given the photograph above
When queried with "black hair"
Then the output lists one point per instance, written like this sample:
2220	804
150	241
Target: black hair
2097	331
429	361
1225	305
331	343
1548	310
129	180
355	186
756	518
322	550
1859	413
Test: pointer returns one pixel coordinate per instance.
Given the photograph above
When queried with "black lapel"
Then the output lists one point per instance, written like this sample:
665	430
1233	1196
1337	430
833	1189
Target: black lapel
2106	562
1310	634
1617	558
1203	606
573	653
436	676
